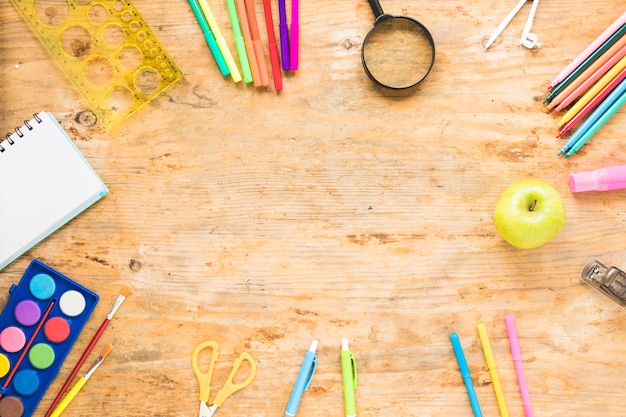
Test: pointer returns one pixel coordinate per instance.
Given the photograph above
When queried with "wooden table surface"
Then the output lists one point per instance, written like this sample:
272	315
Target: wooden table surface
263	220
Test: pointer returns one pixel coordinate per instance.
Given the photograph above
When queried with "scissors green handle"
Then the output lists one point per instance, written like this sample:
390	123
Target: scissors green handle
204	378
230	387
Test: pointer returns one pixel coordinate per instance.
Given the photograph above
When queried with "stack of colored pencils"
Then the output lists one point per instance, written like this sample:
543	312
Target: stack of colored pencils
592	88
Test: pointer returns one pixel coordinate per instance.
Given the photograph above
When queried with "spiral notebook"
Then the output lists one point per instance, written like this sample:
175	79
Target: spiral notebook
45	182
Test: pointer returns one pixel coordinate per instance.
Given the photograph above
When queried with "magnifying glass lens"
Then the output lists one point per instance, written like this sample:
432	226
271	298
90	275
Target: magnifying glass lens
398	52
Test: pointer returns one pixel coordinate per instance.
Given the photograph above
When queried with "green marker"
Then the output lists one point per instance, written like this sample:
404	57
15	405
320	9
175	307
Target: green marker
239	41
348	372
210	38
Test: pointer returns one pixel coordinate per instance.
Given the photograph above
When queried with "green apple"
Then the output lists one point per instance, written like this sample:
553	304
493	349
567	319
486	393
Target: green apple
529	214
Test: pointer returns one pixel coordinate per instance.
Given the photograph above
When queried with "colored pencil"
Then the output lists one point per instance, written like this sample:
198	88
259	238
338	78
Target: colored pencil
295	35
124	292
589	50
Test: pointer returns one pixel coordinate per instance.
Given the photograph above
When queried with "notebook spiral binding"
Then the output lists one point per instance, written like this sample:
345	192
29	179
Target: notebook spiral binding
18	131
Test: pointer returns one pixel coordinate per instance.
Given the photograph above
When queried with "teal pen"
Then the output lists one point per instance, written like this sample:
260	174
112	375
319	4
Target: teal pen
210	38
239	41
465	373
585	128
307	369
349	376
598	124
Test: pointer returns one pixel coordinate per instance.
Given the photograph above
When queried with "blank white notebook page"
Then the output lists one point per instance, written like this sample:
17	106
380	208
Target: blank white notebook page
45	182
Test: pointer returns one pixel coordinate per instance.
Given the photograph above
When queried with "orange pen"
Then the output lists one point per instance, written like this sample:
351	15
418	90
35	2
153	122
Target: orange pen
271	38
247	39
258	46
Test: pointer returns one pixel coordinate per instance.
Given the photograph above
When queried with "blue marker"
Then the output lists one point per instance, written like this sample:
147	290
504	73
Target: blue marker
465	373
304	379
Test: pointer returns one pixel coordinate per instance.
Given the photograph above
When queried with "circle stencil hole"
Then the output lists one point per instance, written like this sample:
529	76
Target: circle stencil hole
130	56
99	70
147	80
52	12
120	99
97	14
113	35
76	41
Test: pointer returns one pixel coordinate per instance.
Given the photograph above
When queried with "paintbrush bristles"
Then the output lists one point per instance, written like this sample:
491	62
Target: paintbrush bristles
106	350
126	290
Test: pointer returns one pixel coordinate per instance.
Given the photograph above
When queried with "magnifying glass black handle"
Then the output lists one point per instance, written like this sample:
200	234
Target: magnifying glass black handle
376	8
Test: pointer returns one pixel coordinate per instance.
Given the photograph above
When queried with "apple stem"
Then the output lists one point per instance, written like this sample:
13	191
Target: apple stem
533	206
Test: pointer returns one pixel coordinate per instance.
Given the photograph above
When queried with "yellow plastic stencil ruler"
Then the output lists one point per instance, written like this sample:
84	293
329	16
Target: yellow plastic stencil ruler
106	49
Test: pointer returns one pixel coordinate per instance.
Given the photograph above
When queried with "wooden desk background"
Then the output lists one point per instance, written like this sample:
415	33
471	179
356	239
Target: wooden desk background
334	209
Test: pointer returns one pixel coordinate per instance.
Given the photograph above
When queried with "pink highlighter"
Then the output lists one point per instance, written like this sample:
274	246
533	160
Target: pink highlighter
603	179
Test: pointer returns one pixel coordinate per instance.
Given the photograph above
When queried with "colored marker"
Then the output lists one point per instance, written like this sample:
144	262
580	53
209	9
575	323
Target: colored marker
295	35
590	100
493	370
589	50
284	34
597	123
309	364
264	78
517	361
465	373
239	41
591	59
221	42
273	48
602	179
209	37
247	38
348	373
586	126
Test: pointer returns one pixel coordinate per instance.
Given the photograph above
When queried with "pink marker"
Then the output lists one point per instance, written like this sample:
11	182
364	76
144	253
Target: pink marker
603	179
519	368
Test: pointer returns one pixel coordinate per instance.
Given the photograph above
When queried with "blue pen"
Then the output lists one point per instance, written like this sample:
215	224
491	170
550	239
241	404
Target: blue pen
465	373
589	122
303	381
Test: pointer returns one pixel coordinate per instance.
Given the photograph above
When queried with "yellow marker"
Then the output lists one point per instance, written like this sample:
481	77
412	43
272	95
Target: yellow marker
80	383
493	370
221	42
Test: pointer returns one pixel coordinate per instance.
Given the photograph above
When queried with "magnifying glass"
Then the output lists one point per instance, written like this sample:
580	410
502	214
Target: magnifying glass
398	51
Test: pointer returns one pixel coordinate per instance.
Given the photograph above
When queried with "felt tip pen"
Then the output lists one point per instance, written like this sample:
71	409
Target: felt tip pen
348	373
465	374
309	364
284	34
209	37
295	35
519	368
603	179
493	370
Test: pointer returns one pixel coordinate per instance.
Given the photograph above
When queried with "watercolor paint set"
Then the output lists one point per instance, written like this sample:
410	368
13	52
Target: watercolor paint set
43	317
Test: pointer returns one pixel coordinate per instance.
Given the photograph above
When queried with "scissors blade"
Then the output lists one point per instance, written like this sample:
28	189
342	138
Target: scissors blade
205	410
211	410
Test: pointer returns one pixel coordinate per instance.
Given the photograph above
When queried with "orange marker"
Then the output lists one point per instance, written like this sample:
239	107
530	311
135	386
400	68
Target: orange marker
247	38
258	46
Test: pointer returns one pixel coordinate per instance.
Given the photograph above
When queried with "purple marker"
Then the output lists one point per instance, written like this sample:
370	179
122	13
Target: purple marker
284	34
603	179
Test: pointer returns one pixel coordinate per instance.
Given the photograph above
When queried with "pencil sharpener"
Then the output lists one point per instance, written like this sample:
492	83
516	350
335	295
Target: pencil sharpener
609	281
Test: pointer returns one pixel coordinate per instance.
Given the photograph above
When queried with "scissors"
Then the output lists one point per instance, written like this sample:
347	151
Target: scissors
204	378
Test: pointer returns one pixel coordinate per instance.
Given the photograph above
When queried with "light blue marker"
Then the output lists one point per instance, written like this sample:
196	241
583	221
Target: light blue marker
465	373
303	381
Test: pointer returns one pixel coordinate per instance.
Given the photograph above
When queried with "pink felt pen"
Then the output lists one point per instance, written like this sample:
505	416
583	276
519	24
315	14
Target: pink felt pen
517	361
603	179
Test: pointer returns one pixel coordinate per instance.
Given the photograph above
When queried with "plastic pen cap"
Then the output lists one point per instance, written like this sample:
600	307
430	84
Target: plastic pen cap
603	179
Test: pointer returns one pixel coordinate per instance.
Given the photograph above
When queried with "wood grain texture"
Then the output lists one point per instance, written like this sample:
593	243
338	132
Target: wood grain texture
336	209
